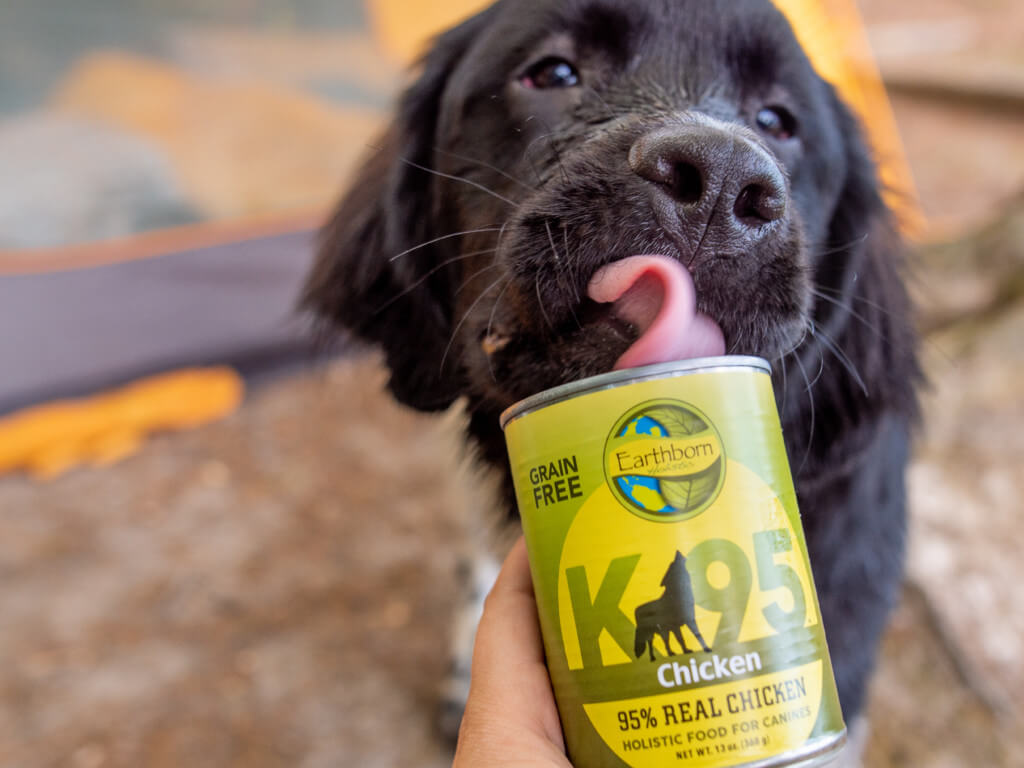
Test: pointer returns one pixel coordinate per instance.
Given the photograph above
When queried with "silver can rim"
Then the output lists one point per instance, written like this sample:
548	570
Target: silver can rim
614	379
819	752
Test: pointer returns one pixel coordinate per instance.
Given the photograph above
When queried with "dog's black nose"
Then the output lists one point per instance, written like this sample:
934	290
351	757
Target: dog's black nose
705	170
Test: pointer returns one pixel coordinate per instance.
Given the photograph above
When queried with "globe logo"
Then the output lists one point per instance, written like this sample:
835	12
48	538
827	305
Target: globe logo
664	461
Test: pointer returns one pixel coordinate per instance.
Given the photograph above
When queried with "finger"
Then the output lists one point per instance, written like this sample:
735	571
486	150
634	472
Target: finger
510	687
511	606
514	577
508	637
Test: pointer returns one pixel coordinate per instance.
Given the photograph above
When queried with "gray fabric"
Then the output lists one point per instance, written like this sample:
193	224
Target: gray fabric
70	333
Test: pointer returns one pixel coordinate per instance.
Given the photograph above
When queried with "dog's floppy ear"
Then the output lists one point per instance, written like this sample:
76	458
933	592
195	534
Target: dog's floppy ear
365	277
866	313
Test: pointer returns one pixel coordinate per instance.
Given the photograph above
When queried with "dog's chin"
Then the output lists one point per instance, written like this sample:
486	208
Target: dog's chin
771	341
512	360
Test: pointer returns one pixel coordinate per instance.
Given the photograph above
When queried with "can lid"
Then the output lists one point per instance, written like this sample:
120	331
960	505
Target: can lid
628	376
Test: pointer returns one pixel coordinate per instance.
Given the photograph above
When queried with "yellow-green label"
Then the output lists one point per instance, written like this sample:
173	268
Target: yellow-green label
676	599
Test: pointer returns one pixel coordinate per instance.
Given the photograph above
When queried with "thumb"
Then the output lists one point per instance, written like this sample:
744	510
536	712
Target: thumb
510	713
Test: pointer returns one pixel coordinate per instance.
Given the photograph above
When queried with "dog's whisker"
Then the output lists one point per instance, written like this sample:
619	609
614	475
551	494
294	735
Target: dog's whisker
471	183
494	309
560	266
832	346
832	250
855	315
469	279
735	343
821	368
855	298
551	144
790	351
591	91
445	237
551	241
465	316
785	379
573	276
413	286
810	400
490	326
800	340
501	233
540	303
533	165
572	273
488	166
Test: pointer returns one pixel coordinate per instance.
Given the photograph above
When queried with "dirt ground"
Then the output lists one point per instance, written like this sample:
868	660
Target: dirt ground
261	592
276	589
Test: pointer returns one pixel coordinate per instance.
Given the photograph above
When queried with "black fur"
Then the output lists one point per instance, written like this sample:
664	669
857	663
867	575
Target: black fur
540	181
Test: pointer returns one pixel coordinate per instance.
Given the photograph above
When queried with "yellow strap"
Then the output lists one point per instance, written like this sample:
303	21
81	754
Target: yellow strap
49	439
832	33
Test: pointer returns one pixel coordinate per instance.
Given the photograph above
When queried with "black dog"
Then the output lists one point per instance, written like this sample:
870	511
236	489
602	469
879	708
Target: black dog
544	139
668	614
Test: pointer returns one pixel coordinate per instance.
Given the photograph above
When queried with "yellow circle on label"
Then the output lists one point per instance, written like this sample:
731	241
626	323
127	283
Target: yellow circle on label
604	536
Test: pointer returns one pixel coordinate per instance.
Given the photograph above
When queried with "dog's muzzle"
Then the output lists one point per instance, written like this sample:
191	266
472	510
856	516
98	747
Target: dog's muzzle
711	183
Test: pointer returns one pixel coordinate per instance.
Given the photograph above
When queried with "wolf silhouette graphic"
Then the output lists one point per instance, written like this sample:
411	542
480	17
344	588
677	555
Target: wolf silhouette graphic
669	613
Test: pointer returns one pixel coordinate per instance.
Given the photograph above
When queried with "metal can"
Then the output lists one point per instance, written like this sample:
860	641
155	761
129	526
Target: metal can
675	595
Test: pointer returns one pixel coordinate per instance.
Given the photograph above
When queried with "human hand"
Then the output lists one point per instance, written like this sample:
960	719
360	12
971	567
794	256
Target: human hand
510	718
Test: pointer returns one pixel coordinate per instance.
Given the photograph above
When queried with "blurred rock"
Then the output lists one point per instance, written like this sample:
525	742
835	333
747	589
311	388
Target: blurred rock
967	486
353	61
270	592
923	713
955	72
70	179
260	592
240	146
969	280
950	687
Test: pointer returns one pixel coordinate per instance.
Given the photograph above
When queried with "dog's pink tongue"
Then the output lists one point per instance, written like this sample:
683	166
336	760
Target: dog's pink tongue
655	294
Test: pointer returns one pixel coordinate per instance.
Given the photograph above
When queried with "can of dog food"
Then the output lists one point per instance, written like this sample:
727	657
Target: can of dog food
675	595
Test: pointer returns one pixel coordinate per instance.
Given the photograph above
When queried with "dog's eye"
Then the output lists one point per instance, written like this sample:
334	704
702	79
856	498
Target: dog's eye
550	72
776	122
